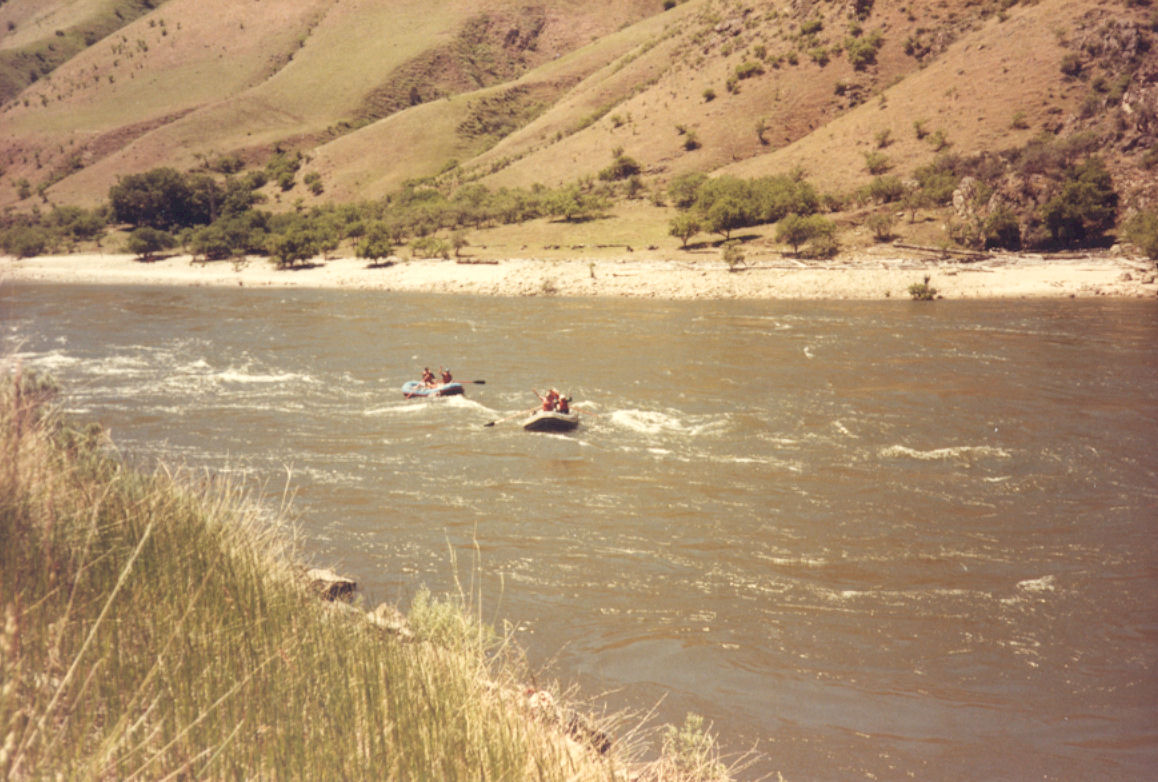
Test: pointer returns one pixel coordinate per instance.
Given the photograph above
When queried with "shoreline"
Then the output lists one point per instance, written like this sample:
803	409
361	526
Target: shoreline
886	274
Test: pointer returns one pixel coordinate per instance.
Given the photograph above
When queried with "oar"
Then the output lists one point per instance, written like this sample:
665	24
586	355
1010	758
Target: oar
476	382
521	413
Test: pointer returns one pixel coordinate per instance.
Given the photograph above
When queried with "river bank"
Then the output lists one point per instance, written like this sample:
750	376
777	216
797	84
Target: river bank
883	274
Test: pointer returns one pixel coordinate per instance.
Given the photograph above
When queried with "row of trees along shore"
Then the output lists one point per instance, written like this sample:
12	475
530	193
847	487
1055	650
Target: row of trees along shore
213	213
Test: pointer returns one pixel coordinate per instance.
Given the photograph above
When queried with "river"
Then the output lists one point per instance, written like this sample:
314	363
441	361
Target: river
873	540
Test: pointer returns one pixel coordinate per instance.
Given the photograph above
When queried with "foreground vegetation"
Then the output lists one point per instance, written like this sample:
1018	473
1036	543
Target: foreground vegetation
153	627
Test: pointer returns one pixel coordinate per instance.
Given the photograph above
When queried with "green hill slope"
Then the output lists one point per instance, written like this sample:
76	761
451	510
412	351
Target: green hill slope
513	94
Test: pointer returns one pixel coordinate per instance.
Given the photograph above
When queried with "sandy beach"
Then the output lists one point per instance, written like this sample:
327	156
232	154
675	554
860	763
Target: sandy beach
881	276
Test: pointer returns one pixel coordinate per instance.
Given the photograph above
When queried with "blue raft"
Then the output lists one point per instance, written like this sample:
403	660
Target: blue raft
413	388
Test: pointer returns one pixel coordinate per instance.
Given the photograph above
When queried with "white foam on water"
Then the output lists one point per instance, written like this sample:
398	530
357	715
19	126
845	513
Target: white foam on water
840	427
54	359
656	423
943	454
233	375
1038	585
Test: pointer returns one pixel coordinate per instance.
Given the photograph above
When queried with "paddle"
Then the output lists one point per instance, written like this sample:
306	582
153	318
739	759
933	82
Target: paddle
509	417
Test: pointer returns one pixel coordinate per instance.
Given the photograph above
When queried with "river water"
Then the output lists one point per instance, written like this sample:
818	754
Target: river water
875	540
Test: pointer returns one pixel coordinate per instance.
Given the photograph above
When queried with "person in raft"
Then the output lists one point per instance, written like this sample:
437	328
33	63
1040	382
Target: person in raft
446	376
564	404
428	378
550	401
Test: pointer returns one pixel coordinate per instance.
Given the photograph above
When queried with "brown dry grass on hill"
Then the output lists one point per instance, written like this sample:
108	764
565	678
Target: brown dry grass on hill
763	89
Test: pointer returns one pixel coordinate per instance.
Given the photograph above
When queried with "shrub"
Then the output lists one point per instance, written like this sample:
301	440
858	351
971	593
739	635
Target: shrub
778	196
210	242
939	140
1019	122
691	141
796	230
430	247
876	162
885	189
622	167
25	241
811	26
709	95
1071	65
748	69
684	226
684	188
298	243
881	224
145	242
733	255
376	244
1085	207
1142	230
862	52
1002	229
922	291
161	198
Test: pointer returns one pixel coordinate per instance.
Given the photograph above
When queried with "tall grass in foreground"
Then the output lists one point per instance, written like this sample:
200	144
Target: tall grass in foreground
153	628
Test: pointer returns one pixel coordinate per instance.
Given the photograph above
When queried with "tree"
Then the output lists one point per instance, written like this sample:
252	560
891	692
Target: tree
881	224
376	243
295	244
210	242
1142	230
684	189
797	230
145	242
726	215
684	226
1086	206
160	198
733	255
25	241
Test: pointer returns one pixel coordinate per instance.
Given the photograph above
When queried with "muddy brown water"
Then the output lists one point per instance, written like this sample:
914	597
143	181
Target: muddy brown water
876	540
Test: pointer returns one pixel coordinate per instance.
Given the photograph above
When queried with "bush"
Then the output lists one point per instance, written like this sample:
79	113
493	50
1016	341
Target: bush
733	255
1085	207
876	162
25	241
1002	229
684	188
684	226
430	247
862	52
796	230
881	224
748	69
1142	230
146	242
160	198
1071	65
922	291
210	242
885	189
622	167
297	243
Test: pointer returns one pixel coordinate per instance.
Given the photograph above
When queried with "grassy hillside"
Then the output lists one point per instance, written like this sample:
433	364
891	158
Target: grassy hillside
510	94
